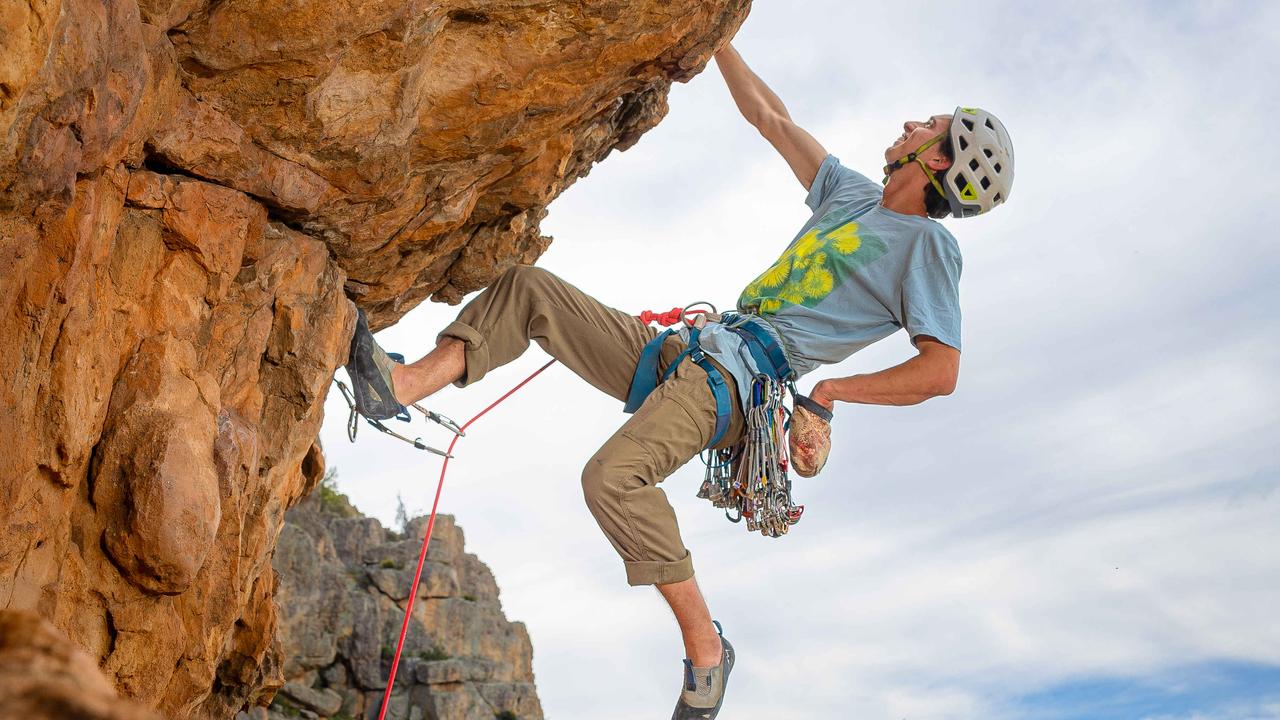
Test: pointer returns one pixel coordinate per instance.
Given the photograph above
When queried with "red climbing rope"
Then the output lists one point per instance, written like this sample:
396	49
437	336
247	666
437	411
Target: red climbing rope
426	541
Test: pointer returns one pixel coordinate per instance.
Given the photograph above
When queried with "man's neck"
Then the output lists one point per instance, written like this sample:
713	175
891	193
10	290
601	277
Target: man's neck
904	194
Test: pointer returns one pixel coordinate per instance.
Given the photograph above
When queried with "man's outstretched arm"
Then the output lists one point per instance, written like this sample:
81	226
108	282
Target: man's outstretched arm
931	373
763	109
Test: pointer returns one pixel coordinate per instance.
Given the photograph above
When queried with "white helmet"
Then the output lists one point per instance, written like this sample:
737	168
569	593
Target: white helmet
982	174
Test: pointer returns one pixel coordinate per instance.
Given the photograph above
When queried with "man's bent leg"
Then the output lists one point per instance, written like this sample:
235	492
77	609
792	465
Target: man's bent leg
526	303
621	487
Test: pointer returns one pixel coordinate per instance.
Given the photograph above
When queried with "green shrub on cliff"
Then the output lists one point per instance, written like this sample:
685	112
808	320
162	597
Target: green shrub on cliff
332	501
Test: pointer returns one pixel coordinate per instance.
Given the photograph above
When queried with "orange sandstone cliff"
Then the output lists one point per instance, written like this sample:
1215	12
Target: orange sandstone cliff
192	194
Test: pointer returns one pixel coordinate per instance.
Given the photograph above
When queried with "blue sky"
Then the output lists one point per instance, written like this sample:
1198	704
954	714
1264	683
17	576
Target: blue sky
1205	690
1087	528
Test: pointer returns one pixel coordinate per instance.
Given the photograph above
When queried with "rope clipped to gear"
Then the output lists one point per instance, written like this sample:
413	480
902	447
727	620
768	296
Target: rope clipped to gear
749	480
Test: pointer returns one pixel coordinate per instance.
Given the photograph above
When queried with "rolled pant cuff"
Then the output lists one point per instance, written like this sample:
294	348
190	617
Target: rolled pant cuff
475	352
653	572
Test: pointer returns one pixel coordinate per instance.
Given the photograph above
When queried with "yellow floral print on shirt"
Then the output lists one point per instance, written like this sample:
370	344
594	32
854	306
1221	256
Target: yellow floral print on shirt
809	269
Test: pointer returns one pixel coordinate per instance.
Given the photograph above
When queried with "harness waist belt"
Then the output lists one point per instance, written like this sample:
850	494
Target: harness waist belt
769	356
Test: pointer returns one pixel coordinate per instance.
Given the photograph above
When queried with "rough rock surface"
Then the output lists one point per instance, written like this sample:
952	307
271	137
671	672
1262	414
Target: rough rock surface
344	582
45	677
191	191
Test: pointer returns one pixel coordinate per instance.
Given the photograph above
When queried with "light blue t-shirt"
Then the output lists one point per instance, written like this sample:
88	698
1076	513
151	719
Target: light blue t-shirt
854	274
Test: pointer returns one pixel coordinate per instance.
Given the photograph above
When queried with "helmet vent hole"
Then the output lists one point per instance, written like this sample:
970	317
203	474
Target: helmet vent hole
986	183
993	127
973	164
959	181
986	151
996	167
968	124
996	199
964	144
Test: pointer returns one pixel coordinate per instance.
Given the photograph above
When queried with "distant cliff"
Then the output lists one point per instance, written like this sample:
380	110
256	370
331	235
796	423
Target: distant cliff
344	580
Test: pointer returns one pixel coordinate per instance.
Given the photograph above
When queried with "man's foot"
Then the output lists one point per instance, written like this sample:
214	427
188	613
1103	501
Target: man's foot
703	690
370	370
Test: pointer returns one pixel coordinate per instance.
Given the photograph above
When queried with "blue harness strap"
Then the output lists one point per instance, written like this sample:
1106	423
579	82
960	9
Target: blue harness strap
645	378
719	388
768	354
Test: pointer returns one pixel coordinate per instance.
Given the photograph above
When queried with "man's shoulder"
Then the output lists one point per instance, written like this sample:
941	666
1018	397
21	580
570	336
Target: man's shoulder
838	185
936	237
928	243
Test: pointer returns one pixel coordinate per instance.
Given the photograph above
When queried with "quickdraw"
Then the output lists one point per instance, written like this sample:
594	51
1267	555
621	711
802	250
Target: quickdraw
353	420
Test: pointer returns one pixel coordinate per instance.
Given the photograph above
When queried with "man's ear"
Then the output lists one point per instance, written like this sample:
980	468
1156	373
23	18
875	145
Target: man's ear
939	163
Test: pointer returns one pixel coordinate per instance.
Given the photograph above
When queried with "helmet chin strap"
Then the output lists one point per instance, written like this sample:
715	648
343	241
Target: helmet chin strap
911	157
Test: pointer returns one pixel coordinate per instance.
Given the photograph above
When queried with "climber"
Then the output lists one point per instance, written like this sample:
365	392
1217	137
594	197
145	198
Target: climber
870	260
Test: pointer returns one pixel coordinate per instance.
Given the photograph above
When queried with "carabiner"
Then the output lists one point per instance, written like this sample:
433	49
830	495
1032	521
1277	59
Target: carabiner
439	419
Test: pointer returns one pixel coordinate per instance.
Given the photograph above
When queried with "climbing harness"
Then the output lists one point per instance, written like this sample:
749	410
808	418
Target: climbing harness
749	479
646	379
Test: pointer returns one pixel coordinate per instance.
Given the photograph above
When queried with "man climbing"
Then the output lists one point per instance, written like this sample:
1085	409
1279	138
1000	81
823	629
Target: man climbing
870	260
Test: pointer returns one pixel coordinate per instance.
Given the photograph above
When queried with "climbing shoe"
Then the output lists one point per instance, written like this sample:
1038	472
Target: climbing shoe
369	367
703	690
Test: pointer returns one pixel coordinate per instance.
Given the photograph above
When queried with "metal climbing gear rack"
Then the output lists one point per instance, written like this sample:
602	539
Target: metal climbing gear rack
749	480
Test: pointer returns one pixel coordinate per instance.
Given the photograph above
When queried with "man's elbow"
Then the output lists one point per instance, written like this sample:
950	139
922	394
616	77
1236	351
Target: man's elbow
945	384
771	123
942	363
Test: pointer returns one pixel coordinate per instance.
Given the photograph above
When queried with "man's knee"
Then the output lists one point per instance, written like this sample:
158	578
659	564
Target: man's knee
616	470
596	488
526	278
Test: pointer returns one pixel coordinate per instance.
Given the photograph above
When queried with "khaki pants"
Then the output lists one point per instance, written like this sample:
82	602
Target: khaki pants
602	346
